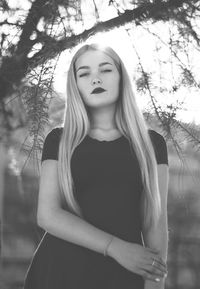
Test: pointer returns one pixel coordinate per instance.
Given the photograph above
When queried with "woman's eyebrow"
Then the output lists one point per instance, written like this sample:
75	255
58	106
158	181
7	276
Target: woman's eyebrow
104	63
82	67
87	67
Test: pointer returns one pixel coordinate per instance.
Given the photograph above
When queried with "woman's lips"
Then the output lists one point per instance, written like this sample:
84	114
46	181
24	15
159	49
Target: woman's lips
98	90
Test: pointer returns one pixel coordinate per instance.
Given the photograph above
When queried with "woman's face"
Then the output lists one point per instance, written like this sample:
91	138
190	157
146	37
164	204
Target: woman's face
97	79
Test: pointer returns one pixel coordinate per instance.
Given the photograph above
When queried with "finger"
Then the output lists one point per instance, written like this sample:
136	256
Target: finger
158	271
149	276
153	256
160	265
156	263
153	270
161	262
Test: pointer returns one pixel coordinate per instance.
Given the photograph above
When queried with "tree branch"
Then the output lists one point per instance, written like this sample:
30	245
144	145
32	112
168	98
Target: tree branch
5	22
34	15
151	11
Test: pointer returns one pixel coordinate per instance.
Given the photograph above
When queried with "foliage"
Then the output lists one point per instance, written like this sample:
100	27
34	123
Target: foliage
34	33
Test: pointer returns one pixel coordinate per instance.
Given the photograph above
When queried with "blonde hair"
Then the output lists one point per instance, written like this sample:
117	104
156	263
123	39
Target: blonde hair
129	121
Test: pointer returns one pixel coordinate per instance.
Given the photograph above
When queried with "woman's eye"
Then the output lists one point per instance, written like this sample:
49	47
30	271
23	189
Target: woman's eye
106	70
84	74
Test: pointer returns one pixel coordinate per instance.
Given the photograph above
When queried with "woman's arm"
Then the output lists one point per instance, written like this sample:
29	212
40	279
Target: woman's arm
157	238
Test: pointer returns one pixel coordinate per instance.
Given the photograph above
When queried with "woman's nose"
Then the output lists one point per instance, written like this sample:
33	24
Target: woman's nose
96	80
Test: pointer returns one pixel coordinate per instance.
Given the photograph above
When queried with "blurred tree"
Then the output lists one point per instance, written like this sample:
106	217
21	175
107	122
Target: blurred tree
34	33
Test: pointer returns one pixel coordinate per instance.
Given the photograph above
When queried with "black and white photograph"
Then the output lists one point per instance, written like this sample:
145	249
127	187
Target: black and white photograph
99	144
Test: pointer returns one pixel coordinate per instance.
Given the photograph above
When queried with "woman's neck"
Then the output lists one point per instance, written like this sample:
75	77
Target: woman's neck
103	118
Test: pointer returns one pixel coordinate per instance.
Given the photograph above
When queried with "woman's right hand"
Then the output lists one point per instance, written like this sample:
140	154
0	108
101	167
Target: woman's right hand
138	259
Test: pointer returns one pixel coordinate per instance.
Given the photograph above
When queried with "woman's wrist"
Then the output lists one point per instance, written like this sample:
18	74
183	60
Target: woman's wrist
112	247
107	246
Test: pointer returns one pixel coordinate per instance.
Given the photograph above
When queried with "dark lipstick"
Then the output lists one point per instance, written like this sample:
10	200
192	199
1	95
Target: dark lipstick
98	90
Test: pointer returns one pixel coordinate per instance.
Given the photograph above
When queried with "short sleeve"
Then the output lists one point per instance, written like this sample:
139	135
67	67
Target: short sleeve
51	144
159	146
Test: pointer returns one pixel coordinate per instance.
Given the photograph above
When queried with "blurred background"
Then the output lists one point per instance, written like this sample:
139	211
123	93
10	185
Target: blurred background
159	42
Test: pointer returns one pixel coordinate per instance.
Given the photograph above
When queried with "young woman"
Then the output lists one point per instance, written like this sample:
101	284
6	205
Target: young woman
103	186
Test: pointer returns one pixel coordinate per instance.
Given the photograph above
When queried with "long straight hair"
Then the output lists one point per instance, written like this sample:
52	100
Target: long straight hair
129	121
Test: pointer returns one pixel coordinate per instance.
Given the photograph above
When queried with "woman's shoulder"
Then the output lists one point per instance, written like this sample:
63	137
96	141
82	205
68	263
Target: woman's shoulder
55	132
51	144
154	134
156	137
159	145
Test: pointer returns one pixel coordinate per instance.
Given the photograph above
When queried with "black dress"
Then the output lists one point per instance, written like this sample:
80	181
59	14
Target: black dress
108	189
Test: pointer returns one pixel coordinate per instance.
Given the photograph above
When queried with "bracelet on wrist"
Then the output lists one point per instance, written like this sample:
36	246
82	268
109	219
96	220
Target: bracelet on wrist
107	246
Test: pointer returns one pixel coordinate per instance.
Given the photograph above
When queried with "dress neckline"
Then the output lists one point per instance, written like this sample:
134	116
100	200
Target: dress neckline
104	141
